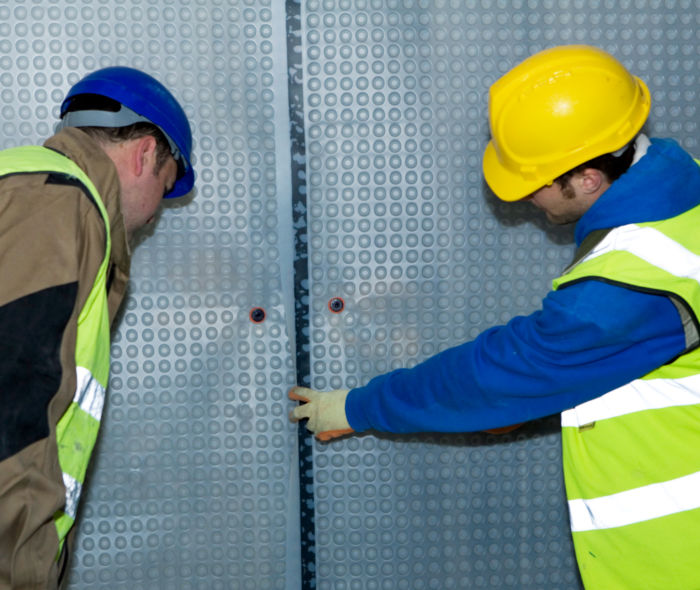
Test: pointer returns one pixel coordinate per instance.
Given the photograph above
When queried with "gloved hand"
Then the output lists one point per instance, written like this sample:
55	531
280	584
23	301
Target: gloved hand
325	411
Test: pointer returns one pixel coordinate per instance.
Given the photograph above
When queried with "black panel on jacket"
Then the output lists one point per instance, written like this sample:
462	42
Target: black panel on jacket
31	330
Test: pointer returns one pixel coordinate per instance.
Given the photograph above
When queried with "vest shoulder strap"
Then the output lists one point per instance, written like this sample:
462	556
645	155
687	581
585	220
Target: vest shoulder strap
34	159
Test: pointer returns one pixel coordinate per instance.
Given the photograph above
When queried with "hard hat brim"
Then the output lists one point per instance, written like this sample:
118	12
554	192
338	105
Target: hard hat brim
502	182
183	185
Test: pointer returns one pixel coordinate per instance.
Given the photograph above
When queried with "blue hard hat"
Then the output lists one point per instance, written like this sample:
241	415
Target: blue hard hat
142	99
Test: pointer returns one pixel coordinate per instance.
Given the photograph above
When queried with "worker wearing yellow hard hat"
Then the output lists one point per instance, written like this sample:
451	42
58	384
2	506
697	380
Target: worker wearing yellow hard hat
614	347
556	110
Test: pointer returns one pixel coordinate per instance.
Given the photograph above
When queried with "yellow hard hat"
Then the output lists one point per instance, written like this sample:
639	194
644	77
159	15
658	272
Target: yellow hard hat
559	108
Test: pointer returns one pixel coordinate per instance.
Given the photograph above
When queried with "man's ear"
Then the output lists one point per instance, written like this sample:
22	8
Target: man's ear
144	154
592	180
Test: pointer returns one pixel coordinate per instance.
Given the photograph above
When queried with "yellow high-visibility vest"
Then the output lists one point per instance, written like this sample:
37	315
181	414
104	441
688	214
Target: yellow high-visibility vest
76	431
632	456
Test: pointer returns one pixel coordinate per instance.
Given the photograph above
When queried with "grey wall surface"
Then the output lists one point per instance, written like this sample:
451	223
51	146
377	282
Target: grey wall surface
195	483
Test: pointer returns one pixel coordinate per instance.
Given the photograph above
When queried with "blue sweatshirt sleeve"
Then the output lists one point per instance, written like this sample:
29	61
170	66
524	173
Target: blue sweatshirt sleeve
587	339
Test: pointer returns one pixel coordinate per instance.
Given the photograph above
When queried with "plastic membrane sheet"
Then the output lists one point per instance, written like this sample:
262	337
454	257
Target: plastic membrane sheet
404	231
380	109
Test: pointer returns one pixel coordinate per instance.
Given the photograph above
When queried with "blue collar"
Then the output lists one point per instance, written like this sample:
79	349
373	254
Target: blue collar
664	183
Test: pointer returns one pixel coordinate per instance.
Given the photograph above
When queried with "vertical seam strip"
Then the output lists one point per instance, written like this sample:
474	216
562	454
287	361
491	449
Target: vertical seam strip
301	282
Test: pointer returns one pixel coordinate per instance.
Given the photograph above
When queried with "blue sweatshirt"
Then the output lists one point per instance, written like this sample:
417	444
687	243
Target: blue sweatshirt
588	338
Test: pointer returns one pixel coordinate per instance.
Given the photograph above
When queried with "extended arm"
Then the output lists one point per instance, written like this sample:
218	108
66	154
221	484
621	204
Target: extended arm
586	340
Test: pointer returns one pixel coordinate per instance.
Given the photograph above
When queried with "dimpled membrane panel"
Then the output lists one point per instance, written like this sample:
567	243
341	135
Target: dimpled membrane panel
191	481
192	484
403	229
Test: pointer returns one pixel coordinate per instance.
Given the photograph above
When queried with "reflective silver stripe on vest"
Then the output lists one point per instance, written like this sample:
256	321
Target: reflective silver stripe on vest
637	505
89	394
639	395
90	397
654	247
73	490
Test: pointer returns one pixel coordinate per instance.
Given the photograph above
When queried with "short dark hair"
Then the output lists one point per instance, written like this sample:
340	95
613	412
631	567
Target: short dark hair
612	166
96	102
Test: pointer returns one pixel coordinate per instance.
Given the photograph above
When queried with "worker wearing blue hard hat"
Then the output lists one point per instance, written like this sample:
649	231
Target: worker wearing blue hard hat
69	211
141	99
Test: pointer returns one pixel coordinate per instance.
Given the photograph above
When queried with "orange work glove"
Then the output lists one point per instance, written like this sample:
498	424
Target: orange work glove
325	411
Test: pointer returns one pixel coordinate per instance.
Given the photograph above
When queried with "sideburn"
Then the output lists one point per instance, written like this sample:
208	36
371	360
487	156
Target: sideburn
567	190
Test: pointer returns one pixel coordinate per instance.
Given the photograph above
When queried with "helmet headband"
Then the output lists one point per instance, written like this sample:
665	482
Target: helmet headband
121	118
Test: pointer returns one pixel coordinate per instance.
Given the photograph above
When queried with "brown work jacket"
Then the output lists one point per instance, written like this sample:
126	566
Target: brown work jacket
52	241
